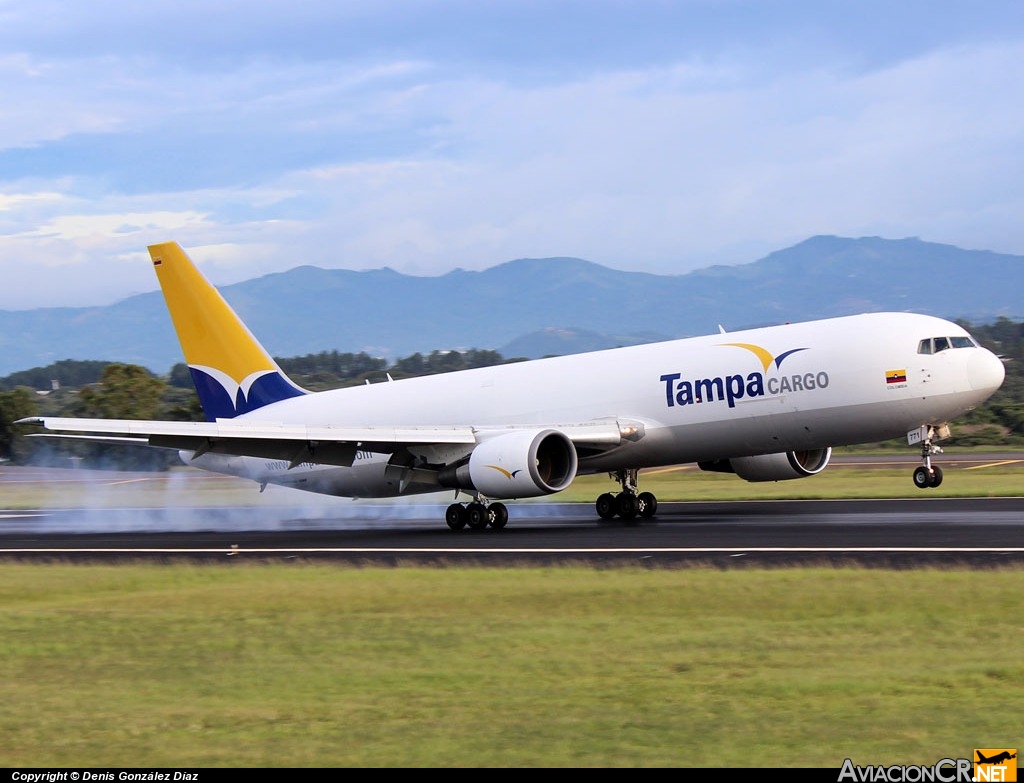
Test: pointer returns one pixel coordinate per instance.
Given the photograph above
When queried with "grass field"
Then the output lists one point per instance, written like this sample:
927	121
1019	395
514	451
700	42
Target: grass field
321	666
312	665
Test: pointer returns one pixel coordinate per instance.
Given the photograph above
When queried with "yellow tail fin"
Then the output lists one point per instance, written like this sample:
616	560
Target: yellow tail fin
232	372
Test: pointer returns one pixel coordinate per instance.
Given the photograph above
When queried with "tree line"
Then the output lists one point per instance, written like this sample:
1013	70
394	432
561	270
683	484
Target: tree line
112	390
99	389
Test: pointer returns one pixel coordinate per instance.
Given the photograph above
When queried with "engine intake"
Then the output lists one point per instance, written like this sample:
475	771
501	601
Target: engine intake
518	464
773	467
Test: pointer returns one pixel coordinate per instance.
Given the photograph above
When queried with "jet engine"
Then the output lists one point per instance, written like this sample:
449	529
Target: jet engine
517	464
773	467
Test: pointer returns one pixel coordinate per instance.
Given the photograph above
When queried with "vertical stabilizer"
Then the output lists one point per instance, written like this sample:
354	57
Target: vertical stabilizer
232	372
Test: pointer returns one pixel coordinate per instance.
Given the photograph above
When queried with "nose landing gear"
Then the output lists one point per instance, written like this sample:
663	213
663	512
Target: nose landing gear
928	476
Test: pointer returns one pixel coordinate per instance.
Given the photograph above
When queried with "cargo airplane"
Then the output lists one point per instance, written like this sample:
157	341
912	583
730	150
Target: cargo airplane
766	404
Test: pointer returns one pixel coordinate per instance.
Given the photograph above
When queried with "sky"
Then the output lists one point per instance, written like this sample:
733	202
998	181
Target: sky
648	135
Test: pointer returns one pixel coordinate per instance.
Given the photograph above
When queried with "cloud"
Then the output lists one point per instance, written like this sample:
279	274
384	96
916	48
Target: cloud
464	134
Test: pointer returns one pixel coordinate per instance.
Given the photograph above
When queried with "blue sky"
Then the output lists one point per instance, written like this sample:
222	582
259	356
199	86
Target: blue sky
424	136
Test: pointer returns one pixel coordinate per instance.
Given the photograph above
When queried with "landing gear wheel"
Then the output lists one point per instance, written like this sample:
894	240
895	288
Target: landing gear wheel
626	505
606	505
477	517
928	476
456	517
498	515
648	504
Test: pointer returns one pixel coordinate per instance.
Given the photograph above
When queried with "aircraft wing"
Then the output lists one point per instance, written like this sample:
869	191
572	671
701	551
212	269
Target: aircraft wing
328	444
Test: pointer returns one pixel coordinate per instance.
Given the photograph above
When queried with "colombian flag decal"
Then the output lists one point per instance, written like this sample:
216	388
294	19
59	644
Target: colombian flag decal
895	376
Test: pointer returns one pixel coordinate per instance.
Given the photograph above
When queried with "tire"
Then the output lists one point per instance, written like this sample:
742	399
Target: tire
476	516
498	515
921	478
455	516
936	477
606	506
626	505
648	504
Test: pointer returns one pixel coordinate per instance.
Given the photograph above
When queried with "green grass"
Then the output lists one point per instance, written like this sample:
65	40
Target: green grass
312	665
23	488
307	665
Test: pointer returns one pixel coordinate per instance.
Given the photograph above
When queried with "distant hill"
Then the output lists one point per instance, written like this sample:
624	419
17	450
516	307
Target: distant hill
536	307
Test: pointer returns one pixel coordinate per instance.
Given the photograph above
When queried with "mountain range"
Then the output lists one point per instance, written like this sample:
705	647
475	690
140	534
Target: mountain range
535	307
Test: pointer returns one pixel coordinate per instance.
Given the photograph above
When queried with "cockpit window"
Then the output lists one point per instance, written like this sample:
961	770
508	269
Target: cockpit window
936	344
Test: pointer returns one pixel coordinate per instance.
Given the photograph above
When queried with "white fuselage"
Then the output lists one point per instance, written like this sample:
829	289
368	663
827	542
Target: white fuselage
762	391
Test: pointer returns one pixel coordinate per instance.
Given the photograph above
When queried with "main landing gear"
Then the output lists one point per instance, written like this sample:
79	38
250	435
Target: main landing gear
627	504
928	475
477	515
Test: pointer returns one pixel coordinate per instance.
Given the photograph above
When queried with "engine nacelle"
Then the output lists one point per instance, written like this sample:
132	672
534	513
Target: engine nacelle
773	467
517	464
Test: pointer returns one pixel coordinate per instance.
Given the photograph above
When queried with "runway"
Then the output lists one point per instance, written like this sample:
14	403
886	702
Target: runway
949	532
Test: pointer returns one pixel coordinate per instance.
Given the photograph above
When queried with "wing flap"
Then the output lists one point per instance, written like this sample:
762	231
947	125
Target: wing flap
292	451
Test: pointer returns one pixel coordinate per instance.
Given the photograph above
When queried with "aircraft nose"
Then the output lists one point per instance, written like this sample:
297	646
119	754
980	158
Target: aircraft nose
985	371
